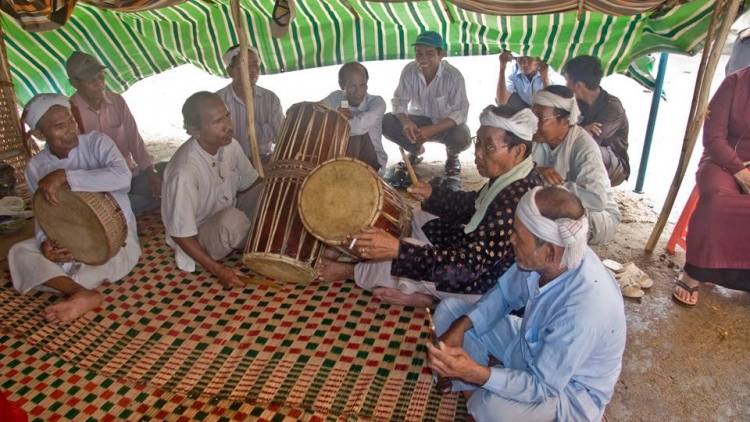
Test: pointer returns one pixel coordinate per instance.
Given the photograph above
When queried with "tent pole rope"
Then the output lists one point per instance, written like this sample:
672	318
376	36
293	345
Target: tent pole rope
711	54
239	23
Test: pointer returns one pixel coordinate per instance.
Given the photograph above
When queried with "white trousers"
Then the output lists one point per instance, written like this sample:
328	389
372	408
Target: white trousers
371	274
30	269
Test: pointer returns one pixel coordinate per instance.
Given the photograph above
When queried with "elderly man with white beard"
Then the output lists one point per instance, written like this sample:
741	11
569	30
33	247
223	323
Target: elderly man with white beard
560	361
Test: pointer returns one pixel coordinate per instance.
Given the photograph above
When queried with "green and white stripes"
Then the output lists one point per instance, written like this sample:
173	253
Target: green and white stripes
137	45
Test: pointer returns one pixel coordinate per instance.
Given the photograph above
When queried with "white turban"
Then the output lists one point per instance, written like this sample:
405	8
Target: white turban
546	98
235	51
38	106
524	123
570	234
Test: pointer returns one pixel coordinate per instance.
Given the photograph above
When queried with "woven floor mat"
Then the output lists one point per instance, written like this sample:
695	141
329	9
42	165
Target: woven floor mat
325	348
50	389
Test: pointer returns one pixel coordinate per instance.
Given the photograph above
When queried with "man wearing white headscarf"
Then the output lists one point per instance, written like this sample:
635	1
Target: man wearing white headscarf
269	117
568	156
460	241
87	163
560	361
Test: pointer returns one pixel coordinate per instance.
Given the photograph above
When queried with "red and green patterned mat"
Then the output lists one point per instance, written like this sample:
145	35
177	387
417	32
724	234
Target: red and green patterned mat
171	345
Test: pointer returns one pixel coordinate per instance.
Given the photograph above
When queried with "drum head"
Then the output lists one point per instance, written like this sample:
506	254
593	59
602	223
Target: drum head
75	225
339	198
280	268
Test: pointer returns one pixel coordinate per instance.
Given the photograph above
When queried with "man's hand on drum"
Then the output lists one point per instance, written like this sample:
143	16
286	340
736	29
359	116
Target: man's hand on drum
375	244
421	191
228	276
55	253
346	112
49	184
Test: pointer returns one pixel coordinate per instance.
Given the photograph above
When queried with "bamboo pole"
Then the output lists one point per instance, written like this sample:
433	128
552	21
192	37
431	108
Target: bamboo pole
239	23
711	55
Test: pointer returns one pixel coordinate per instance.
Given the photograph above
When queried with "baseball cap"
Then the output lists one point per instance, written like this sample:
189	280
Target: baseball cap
430	39
83	66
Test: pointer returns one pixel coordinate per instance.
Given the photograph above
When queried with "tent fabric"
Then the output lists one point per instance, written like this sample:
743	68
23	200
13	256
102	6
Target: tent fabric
532	7
138	45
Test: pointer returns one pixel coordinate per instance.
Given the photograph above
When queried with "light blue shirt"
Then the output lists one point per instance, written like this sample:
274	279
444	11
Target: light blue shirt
572	338
518	82
368	118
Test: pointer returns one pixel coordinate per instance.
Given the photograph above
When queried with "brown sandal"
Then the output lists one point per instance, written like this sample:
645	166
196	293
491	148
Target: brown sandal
452	165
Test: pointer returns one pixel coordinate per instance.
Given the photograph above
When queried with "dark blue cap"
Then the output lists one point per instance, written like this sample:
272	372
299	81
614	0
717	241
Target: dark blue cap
430	39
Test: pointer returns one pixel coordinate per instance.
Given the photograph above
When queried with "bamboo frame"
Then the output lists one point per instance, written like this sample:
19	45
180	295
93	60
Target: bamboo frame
711	54
239	23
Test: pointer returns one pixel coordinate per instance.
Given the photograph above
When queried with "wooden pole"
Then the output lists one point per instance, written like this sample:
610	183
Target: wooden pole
711	54
409	168
239	23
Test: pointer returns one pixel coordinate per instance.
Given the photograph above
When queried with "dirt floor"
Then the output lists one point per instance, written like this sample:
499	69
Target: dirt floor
680	364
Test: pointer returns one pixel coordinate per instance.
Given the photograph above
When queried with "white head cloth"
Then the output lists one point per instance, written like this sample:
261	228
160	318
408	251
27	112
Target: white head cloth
570	234
548	99
524	123
235	51
38	106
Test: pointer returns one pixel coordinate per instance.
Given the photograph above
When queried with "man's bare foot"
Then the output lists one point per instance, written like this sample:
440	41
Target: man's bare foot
73	306
329	270
395	297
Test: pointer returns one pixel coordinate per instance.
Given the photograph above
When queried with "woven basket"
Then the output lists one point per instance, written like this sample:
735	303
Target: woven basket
12	148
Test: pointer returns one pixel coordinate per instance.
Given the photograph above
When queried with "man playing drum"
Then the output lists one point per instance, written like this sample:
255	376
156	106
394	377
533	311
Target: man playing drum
460	242
365	113
201	183
88	163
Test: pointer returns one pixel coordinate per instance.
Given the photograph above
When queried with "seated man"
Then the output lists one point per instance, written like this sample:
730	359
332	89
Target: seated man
568	156
433	94
269	117
365	113
108	113
604	117
88	163
460	240
562	360
200	191
529	75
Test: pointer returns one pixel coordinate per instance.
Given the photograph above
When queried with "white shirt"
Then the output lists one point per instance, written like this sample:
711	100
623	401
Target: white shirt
444	97
269	118
95	165
197	185
367	118
579	162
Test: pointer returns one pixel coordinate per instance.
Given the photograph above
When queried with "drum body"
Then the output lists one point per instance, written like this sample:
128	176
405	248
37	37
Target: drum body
345	195
313	133
279	246
90	225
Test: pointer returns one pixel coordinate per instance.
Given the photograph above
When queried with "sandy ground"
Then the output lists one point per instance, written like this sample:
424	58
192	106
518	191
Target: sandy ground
680	364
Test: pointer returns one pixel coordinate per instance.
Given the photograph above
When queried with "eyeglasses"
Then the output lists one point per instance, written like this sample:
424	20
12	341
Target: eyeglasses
487	146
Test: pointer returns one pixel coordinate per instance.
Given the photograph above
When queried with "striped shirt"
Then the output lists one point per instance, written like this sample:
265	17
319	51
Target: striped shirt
444	97
269	118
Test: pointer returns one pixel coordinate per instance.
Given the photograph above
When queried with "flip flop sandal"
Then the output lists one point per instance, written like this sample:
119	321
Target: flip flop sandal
629	287
398	179
437	182
640	277
415	159
613	266
453	183
688	289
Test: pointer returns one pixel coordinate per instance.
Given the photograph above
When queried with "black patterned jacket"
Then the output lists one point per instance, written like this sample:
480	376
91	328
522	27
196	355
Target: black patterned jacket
458	262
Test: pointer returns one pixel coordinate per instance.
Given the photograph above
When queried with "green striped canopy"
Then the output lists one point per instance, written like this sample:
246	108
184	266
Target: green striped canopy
140	44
